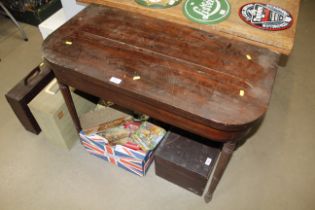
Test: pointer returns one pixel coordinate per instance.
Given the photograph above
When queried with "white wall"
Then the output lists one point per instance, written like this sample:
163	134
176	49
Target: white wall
71	7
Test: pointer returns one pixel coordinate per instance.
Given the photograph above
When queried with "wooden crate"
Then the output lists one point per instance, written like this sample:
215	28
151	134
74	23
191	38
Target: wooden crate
185	162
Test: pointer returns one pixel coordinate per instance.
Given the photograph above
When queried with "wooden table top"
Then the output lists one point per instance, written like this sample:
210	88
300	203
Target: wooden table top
221	83
233	27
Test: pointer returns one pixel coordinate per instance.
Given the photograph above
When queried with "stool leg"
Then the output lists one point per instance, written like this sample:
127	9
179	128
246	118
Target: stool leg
69	102
226	154
14	21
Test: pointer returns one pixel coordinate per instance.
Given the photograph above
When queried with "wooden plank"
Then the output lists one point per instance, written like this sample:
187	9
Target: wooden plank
233	27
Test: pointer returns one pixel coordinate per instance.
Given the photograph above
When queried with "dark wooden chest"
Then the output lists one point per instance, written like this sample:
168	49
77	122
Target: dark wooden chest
23	92
185	162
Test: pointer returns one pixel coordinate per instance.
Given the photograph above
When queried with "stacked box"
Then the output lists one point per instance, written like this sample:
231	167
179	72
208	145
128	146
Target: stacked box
134	160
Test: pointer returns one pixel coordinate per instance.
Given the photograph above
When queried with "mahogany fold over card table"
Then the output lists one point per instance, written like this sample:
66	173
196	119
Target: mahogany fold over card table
210	85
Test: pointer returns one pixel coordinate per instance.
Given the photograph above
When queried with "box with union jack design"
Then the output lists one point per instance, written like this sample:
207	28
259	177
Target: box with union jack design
112	145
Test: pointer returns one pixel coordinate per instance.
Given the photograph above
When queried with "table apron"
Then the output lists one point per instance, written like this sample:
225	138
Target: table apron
69	78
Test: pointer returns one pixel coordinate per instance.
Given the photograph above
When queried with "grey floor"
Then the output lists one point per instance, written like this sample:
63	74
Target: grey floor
274	170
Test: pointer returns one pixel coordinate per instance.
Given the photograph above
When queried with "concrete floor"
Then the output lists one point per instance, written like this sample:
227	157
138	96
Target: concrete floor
274	170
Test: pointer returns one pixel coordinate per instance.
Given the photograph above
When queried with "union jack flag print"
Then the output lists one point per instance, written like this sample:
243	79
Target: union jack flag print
136	162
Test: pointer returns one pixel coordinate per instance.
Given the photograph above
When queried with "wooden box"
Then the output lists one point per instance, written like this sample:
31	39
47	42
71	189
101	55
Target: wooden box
185	162
52	115
23	92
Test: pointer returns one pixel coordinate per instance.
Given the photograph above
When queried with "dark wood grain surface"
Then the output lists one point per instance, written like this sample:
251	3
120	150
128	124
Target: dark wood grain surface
211	81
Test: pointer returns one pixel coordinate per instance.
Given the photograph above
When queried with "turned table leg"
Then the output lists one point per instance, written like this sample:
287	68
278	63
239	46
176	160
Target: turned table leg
226	154
69	102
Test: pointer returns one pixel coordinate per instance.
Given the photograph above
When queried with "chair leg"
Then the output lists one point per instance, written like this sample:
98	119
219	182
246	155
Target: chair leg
14	21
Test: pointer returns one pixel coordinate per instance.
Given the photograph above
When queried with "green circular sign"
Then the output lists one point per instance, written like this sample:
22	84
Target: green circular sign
160	4
207	11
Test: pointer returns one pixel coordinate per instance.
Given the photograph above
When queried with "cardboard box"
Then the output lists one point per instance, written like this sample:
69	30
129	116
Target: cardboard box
135	161
51	113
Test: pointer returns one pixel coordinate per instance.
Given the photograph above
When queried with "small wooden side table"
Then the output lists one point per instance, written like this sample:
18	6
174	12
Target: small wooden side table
209	85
